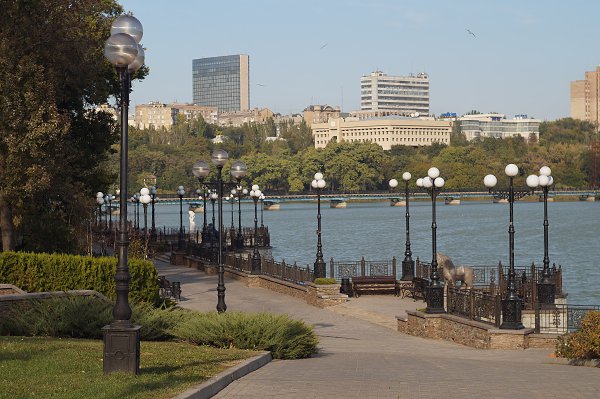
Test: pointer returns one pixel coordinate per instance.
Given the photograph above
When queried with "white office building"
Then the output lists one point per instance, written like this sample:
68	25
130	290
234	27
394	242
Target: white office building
386	95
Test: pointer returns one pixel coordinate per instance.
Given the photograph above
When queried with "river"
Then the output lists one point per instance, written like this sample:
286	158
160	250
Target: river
472	233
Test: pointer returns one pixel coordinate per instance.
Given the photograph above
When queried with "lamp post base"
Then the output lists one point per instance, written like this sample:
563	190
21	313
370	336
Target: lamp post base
511	314
546	293
121	349
256	263
320	270
408	270
435	299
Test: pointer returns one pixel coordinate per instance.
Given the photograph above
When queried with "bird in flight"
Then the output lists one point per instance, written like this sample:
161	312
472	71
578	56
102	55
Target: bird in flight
323	46
471	33
260	84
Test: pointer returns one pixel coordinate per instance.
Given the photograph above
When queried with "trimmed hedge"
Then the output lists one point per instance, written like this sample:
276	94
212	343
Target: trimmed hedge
37	272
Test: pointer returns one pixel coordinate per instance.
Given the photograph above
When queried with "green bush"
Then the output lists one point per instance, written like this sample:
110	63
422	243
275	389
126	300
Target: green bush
71	316
36	272
583	343
83	317
284	337
325	280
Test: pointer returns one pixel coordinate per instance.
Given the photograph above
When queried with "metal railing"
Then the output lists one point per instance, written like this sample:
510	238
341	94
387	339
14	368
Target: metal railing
349	269
560	318
475	305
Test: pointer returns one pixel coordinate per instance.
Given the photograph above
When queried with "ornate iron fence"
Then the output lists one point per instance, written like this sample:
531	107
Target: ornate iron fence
349	269
475	305
283	271
560	318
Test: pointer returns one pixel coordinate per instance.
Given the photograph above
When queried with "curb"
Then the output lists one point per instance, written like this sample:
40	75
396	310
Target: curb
213	385
576	362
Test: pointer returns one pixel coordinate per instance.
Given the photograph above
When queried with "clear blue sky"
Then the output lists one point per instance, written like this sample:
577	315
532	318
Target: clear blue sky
522	59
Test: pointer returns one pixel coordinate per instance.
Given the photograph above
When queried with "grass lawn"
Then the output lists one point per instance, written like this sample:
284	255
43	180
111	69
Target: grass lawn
39	367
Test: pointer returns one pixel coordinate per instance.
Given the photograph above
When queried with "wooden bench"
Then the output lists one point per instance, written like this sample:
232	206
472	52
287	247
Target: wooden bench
167	289
374	284
417	288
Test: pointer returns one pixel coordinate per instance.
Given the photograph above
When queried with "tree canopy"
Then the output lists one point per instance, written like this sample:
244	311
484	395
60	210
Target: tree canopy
54	146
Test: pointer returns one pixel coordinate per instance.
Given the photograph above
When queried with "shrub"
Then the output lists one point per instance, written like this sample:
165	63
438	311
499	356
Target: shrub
285	338
156	322
35	272
71	316
325	280
583	343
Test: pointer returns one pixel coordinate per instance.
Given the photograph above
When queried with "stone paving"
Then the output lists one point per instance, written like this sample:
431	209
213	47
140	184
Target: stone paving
362	356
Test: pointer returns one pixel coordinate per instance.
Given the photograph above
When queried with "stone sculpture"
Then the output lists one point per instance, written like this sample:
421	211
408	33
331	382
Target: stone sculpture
452	273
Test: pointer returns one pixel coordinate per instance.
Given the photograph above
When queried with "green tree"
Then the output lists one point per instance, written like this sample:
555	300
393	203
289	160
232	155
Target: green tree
53	147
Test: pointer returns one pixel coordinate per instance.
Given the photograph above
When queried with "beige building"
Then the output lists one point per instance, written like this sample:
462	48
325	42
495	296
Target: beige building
498	126
400	94
158	115
385	132
320	114
585	97
238	118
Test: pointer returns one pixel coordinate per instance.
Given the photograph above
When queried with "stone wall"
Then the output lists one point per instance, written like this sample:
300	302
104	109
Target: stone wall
471	333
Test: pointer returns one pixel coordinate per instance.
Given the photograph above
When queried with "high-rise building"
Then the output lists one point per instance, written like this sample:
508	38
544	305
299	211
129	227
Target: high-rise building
585	97
395	95
222	82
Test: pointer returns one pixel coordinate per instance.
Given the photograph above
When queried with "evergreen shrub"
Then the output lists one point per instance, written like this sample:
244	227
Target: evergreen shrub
325	281
583	343
38	272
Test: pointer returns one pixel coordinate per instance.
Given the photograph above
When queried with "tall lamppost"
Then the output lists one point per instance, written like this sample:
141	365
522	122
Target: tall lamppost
546	289
121	338
319	268
109	198
239	239
256	266
511	303
180	193
262	206
153	200
100	202
408	264
201	169
145	200
213	198
238	171
136	201
433	183
232	199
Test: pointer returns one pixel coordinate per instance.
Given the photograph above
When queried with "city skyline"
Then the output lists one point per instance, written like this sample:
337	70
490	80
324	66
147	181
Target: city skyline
511	58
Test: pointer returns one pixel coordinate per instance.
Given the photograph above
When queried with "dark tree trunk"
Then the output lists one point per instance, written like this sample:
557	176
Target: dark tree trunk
6	224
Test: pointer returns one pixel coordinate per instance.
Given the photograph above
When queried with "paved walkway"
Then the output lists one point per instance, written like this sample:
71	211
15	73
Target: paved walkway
362	356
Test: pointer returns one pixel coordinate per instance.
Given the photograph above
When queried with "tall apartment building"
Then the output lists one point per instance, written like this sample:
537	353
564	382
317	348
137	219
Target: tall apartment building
222	82
158	115
585	97
383	95
385	132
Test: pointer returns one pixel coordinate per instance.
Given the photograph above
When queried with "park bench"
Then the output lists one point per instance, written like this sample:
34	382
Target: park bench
167	289
374	284
416	289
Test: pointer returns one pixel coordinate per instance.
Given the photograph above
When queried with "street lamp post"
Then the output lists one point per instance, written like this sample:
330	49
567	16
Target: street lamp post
121	337
239	239
153	200
408	264
319	268
136	200
262	206
433	183
546	288
109	198
232	199
256	265
238	171
145	200
180	242
511	303
100	202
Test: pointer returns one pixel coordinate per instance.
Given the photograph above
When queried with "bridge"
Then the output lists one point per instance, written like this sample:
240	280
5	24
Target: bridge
418	195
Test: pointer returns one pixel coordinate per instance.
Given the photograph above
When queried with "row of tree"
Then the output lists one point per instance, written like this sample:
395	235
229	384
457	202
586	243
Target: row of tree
287	166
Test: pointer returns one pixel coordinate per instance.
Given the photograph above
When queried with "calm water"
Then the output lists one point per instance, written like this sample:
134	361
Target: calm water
473	233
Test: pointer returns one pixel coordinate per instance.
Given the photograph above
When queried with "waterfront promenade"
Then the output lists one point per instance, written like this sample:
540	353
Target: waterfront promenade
362	356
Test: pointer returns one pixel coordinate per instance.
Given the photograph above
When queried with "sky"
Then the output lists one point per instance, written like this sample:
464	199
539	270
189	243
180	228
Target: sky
519	59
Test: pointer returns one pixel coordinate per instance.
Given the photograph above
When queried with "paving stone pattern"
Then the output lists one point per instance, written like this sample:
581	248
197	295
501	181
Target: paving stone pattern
362	356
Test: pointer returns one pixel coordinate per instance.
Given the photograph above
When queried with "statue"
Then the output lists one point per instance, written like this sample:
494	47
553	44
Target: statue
452	274
192	223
